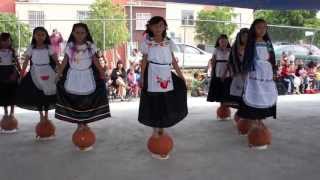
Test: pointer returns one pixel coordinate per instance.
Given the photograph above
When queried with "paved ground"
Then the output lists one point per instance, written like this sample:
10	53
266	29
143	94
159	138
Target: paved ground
204	148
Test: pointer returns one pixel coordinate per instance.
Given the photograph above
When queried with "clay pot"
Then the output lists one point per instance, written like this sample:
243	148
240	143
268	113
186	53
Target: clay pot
244	126
83	137
160	144
45	129
259	135
9	123
223	112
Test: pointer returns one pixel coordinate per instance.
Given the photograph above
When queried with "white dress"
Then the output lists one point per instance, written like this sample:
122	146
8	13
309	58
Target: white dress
221	65
42	74
80	78
163	101
159	69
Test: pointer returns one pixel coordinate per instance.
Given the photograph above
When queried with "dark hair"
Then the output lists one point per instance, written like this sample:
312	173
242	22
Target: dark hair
119	62
196	74
241	33
40	29
250	47
84	26
5	36
222	36
234	54
155	20
311	64
122	69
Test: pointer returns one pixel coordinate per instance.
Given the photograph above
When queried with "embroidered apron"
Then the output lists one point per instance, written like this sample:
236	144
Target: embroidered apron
159	70
44	78
260	89
159	77
80	79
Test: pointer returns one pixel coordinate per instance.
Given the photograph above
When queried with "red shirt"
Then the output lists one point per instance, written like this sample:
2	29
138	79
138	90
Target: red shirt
285	71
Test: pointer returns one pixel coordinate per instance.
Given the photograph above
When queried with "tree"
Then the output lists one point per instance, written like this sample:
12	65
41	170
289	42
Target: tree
206	31
315	23
116	31
300	18
9	23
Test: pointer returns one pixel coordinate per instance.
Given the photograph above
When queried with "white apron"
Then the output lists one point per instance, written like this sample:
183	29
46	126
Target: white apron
237	85
159	70
220	68
159	78
44	78
80	78
260	89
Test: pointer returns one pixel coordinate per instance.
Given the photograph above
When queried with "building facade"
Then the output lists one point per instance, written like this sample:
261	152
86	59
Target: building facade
7	6
52	14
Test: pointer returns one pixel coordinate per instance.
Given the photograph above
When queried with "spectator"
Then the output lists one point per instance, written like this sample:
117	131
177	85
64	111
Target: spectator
133	84
291	57
118	78
135	58
311	76
285	76
104	65
197	85
56	39
317	78
302	74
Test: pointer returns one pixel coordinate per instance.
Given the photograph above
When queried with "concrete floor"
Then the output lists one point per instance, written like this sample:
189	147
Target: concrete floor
204	147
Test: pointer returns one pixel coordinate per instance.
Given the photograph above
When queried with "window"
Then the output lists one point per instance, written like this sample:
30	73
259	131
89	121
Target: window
141	20
187	17
36	18
82	15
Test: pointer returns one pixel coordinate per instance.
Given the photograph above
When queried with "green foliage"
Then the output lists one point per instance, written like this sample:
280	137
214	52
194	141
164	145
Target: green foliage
116	31
9	23
207	32
302	18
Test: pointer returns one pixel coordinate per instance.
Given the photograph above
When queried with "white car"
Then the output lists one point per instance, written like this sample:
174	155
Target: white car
191	57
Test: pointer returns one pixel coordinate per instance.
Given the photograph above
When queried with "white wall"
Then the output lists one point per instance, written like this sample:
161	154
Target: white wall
243	16
61	1
173	15
173	11
57	12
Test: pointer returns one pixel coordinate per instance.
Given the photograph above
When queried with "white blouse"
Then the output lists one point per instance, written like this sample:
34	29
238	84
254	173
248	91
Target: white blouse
221	67
40	56
80	79
82	56
158	52
6	57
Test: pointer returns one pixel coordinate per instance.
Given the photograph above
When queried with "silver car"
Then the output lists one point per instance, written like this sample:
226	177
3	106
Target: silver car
189	56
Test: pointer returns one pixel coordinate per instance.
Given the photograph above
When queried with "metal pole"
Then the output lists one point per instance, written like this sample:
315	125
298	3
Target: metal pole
184	43
104	35
240	20
19	39
131	25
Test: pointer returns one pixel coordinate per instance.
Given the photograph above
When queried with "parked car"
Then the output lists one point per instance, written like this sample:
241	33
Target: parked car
314	50
189	56
300	52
